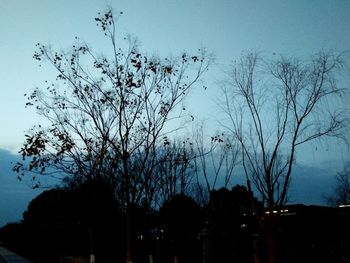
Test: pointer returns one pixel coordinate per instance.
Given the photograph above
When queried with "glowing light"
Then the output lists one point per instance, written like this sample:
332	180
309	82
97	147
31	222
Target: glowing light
275	211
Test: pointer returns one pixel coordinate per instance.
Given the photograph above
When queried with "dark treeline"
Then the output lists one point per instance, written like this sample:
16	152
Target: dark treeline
58	226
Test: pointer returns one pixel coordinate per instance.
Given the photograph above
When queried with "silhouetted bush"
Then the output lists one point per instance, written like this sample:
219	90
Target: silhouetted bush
230	225
180	220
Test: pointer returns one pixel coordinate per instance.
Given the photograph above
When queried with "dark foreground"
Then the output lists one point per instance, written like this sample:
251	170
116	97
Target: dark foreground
56	228
7	256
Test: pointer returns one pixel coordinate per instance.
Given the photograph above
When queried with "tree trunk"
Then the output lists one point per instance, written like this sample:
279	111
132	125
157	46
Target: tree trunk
271	243
207	251
92	225
92	258
129	239
257	248
91	244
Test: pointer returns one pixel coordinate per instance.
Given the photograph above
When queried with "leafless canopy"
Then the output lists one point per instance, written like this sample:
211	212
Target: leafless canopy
108	114
274	106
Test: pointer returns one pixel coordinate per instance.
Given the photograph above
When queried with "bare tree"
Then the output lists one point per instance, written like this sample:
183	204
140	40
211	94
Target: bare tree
107	115
179	172
274	107
215	159
341	194
175	170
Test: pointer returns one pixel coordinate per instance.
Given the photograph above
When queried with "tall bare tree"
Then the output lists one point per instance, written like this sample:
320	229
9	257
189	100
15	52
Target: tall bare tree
216	158
273	107
107	114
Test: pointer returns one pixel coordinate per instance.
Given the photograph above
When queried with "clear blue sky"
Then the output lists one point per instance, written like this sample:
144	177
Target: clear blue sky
225	27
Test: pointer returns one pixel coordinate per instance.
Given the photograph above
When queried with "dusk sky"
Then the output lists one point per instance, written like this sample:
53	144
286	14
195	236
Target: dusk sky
166	27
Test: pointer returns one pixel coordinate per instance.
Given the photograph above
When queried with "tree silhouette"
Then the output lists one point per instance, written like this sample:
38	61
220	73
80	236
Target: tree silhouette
180	218
58	223
216	160
175	171
107	114
272	108
231	224
341	194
